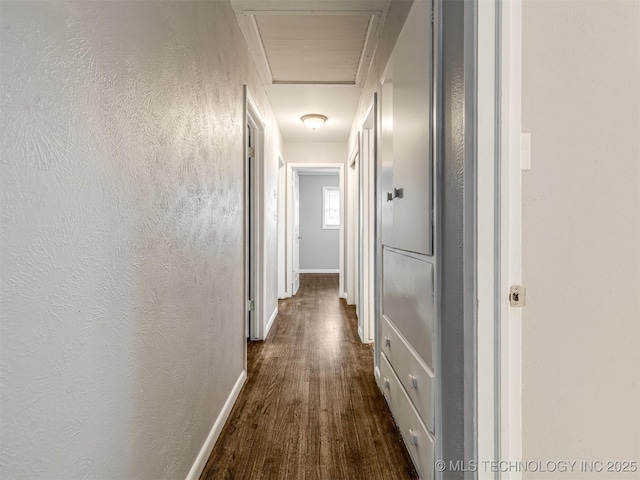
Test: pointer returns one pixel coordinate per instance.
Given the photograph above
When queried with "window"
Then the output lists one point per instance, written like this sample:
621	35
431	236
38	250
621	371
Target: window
330	208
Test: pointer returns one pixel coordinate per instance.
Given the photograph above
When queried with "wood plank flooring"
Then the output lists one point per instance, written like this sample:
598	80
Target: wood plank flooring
310	408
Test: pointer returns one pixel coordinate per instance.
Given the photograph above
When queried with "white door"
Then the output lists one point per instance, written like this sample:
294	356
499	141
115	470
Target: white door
360	247
251	232
296	233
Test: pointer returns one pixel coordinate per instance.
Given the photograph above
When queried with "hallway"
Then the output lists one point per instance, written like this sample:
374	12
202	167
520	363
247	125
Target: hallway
488	158
310	407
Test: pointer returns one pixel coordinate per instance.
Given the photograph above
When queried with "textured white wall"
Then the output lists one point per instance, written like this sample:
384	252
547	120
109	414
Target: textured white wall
581	234
122	216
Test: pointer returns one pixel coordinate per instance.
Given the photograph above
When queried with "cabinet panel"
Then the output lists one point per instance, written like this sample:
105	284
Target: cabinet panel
386	154
407	300
408	98
411	132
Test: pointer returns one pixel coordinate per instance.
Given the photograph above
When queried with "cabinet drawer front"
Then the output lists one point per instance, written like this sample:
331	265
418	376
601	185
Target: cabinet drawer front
418	440
407	300
415	376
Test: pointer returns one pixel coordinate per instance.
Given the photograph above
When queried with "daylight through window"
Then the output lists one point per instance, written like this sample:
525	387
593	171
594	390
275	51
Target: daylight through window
331	207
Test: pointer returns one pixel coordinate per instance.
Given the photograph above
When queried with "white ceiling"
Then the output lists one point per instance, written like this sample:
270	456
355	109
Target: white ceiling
312	56
337	102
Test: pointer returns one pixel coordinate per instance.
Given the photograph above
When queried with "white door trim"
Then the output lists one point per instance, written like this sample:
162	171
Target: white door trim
283	288
488	419
295	236
289	229
368	306
351	216
499	235
511	234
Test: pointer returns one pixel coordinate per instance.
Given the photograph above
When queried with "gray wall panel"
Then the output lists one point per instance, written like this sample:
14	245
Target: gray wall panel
457	229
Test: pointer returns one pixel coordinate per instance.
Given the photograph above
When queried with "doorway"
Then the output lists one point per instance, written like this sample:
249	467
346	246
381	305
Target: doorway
323	218
253	237
250	228
317	220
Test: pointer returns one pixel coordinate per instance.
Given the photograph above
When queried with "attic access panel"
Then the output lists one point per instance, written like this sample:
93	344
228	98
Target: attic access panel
314	48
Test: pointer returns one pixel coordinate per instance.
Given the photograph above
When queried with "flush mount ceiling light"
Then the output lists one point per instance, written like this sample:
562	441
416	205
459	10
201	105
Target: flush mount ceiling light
313	120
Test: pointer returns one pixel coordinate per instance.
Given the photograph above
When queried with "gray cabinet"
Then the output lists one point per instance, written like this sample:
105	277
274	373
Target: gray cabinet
406	101
407	329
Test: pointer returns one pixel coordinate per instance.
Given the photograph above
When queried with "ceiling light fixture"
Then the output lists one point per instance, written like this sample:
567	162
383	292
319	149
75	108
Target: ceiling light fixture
313	120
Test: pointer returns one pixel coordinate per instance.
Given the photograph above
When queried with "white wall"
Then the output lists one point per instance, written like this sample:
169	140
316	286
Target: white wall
581	233
122	233
320	152
319	248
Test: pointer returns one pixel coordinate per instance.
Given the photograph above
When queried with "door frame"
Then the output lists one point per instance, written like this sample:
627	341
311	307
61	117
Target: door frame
295	232
499	242
351	219
253	118
283	290
291	167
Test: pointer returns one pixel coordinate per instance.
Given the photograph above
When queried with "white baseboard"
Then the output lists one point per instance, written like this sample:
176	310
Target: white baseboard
378	377
343	295
320	270
270	322
205	451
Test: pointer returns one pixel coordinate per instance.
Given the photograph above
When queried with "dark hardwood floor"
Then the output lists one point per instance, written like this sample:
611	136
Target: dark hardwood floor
310	408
